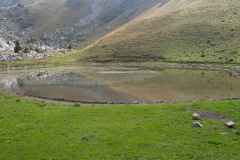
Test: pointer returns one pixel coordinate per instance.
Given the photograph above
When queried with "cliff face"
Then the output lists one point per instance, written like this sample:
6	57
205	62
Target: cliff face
8	3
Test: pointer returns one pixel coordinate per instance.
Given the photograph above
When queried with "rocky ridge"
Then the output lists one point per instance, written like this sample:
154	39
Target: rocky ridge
74	34
7	52
8	3
13	12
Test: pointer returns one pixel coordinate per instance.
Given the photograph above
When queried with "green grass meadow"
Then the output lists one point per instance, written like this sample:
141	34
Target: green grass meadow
32	129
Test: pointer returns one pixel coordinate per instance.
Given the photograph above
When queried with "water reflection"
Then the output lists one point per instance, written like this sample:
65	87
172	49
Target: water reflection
63	84
123	84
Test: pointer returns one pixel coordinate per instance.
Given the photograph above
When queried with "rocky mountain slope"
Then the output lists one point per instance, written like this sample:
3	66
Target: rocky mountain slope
179	31
8	3
123	30
51	25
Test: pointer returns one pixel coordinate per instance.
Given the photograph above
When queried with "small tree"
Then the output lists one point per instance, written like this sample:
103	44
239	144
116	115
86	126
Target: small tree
17	47
26	50
69	47
38	50
20	5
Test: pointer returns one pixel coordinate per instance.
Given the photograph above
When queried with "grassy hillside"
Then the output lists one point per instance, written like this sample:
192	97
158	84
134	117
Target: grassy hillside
32	129
111	19
180	31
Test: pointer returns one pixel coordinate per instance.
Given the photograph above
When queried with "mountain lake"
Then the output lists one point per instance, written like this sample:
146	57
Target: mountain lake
123	84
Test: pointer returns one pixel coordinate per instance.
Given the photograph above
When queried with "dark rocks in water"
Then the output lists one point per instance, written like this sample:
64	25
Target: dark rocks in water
197	124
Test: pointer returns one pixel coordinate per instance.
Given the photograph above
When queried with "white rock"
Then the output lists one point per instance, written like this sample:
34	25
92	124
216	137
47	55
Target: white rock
196	116
230	124
197	124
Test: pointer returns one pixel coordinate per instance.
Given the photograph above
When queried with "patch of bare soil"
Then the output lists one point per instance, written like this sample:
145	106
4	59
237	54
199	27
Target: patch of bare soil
192	107
212	115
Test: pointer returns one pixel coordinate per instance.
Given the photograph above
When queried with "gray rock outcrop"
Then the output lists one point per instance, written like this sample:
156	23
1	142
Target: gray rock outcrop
6	46
8	3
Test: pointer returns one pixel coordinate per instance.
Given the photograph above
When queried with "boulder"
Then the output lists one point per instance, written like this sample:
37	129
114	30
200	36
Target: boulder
197	124
196	116
230	124
203	55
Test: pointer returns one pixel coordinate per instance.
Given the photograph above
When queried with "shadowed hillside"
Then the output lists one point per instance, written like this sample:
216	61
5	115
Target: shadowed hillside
179	31
63	22
7	3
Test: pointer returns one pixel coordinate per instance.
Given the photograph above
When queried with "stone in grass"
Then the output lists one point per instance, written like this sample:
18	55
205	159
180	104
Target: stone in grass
203	55
196	116
230	124
197	124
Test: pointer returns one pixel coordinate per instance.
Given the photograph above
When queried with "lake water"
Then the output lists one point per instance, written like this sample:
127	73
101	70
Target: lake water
107	83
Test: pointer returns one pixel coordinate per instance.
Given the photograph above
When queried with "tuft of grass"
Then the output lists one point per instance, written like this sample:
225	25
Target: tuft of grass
77	105
238	133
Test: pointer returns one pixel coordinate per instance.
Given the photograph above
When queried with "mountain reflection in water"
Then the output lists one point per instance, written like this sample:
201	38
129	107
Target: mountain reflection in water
123	84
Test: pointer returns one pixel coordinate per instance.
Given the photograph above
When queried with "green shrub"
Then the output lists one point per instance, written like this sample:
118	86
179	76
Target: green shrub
38	50
17	47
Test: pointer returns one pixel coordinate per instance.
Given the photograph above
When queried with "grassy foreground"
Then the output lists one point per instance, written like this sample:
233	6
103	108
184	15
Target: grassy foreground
32	129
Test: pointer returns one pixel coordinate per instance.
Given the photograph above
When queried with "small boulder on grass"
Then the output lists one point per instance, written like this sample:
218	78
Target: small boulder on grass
196	116
197	124
230	124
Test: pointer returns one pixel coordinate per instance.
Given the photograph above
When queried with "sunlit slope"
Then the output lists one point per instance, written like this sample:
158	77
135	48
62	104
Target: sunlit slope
181	30
112	18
